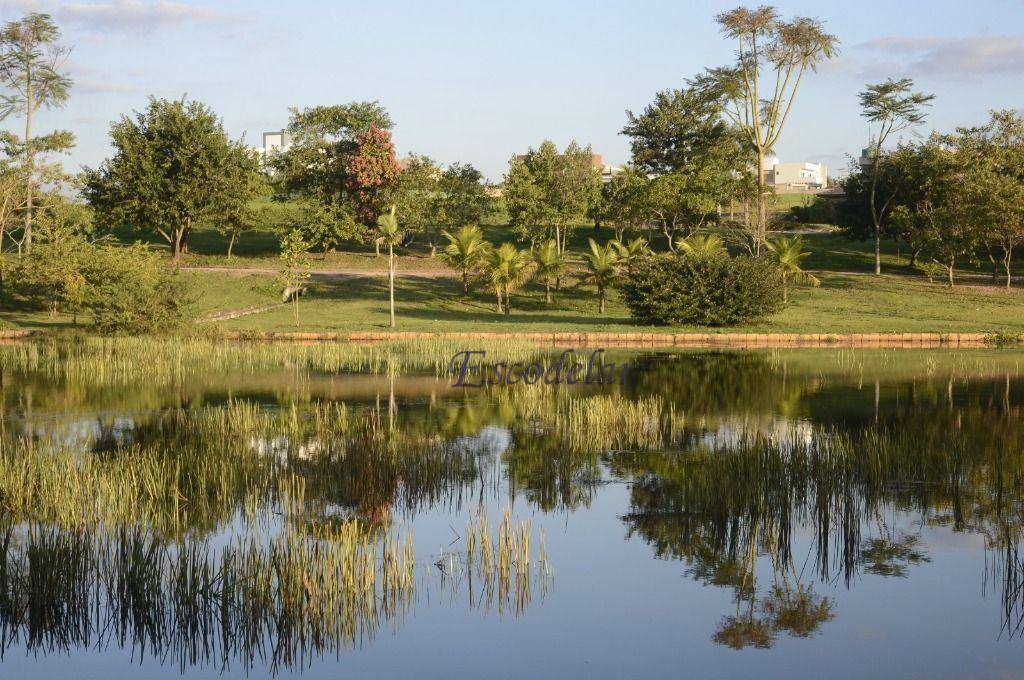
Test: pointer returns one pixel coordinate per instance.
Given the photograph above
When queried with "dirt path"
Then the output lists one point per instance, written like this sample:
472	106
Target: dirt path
330	273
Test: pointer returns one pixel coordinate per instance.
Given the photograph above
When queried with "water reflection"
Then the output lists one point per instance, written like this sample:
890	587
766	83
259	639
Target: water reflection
782	479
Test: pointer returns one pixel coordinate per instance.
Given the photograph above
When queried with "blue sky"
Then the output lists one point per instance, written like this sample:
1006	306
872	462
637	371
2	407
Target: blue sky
480	81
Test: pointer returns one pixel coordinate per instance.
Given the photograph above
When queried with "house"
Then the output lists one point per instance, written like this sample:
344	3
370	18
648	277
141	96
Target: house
796	177
597	162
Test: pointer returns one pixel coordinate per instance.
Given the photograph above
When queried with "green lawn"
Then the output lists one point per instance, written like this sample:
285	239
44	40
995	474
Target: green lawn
845	303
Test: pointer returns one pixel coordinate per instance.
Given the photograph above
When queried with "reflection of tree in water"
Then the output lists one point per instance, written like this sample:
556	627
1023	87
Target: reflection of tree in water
891	556
720	508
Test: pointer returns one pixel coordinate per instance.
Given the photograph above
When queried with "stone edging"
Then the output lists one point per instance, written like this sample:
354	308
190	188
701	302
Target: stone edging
689	340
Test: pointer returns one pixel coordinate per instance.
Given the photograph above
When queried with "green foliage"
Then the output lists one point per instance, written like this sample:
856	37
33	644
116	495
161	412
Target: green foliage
788	254
708	291
173	168
465	251
551	266
415	193
294	268
31	68
507	269
620	205
547	192
131	290
701	245
602	268
461	197
322	226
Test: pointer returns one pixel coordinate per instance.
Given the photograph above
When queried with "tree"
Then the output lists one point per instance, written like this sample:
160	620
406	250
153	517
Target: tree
239	215
631	251
294	268
759	90
415	193
508	270
993	162
371	173
173	167
788	253
323	226
548	192
601	269
684	201
551	265
892	107
391	233
701	246
461	198
324	138
939	211
465	251
31	65
620	204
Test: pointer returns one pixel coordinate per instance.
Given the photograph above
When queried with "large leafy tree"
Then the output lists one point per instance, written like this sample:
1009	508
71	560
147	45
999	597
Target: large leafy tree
621	205
341	157
772	58
993	166
695	158
173	167
32	71
415	194
891	106
548	193
940	211
461	198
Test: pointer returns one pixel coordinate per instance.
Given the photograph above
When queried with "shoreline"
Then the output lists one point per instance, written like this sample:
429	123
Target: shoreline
627	340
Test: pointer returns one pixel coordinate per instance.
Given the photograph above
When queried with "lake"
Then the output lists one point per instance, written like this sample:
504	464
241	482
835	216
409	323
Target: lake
198	508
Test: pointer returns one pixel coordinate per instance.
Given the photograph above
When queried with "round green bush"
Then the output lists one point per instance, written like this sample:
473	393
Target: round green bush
701	291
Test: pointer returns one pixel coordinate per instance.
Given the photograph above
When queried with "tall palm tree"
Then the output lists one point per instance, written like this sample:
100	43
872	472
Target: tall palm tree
631	250
602	268
465	250
551	265
700	245
508	269
391	234
788	253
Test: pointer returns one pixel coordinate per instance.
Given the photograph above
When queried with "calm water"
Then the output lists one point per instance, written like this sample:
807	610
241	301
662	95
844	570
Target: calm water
832	513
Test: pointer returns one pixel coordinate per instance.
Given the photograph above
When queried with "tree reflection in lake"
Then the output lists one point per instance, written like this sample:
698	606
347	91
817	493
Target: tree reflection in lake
784	479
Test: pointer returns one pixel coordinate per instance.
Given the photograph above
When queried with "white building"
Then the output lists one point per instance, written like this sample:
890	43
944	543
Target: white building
275	142
797	176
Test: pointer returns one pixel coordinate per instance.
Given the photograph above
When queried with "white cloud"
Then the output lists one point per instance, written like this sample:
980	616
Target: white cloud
944	57
121	15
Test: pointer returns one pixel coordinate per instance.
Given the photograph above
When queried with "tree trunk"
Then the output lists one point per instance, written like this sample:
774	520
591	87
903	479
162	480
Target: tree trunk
176	246
465	282
547	291
761	226
501	306
295	307
376	247
508	301
878	251
949	271
391	284
1006	266
231	244
29	159
601	305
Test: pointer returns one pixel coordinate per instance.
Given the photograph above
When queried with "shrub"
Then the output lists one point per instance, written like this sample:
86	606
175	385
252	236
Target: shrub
703	291
133	290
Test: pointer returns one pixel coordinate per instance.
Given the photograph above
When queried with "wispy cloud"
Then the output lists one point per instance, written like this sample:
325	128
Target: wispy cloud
122	15
943	57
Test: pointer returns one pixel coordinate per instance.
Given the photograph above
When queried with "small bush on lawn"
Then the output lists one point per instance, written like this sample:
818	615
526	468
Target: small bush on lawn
702	291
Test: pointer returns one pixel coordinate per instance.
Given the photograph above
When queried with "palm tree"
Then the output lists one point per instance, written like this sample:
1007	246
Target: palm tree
632	250
788	253
465	250
551	265
391	234
703	246
508	269
602	268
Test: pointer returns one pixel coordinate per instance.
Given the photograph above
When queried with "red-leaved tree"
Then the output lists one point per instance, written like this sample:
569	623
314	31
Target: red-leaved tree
372	171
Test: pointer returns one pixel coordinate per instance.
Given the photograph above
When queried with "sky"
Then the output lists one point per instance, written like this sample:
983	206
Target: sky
480	81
